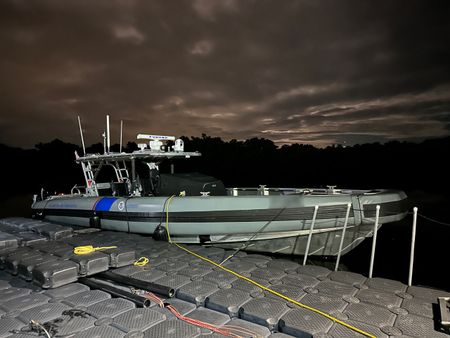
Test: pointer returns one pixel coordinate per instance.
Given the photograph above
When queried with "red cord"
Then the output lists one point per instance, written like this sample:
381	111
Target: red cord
225	330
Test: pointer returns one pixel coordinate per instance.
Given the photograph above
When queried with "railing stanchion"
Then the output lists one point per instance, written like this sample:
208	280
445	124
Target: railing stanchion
342	237
374	240
413	244
310	234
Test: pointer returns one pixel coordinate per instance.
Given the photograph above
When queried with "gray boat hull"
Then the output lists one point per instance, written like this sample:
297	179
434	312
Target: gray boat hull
278	222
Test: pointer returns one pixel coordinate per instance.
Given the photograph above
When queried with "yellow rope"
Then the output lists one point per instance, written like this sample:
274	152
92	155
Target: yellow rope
143	261
326	315
167	217
87	249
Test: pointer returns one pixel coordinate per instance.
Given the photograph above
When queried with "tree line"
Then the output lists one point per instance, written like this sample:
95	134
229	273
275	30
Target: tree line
253	162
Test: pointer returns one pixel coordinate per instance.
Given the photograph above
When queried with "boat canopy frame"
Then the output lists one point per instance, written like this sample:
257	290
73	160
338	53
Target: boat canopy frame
154	151
92	164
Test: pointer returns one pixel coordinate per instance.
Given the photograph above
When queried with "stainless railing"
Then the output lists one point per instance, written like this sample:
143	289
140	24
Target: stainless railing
374	240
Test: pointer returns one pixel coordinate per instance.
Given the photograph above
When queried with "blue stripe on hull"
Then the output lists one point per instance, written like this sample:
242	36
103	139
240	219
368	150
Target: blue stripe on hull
105	203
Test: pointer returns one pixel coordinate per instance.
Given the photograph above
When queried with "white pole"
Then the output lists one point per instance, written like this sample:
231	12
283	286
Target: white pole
81	134
121	135
310	234
374	241
342	238
108	138
413	244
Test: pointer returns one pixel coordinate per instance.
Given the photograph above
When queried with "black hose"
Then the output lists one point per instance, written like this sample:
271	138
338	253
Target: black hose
115	291
138	284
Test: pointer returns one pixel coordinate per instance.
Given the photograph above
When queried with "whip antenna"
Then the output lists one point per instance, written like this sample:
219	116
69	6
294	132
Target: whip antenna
121	135
108	137
81	134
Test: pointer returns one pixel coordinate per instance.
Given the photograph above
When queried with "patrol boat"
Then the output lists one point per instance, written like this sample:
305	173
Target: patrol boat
195	208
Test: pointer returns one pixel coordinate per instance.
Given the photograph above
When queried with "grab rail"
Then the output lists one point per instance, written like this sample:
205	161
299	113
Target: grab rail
77	188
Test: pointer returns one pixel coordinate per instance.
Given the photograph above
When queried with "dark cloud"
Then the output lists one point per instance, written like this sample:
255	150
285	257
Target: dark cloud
317	72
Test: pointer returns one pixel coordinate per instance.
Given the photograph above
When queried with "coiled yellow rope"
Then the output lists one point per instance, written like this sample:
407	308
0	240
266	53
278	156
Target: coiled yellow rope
87	249
326	315
143	261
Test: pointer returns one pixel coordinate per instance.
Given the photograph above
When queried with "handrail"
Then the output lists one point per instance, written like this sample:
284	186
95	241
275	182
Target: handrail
237	191
77	188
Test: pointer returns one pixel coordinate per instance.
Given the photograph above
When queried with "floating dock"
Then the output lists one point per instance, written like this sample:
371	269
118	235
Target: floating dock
43	291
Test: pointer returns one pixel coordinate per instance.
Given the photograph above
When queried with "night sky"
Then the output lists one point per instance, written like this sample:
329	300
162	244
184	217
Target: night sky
317	72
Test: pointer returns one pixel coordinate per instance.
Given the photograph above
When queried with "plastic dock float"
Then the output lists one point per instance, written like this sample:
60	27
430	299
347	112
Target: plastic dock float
41	292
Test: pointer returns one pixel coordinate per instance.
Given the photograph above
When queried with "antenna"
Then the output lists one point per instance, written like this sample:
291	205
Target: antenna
121	135
104	142
81	134
108	138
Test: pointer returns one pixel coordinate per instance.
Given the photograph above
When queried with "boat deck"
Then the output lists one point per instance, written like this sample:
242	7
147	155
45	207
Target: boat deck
40	280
